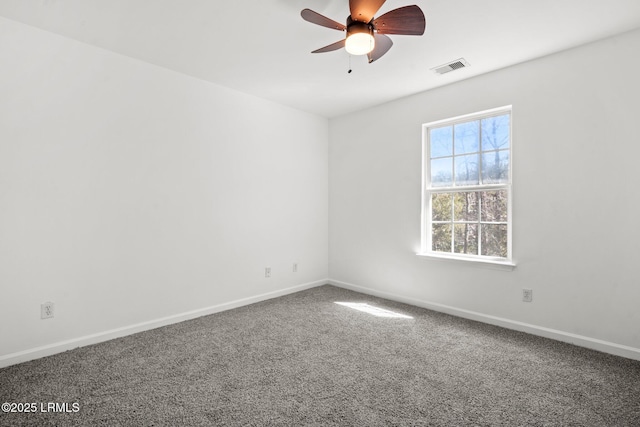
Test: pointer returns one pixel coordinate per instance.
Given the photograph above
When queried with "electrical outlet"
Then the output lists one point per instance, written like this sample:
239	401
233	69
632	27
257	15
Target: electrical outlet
295	267
46	310
267	272
527	295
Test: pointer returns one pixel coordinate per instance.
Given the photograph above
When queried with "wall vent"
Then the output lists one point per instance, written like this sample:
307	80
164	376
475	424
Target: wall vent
451	66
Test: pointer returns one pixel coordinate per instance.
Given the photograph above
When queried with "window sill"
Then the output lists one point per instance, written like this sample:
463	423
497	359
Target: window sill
479	262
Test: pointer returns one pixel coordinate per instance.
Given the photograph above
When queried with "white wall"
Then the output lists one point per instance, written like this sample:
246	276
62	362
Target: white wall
576	207
130	193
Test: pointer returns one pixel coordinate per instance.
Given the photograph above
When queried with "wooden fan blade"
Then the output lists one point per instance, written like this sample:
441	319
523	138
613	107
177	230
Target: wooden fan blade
332	46
383	44
407	20
315	18
364	10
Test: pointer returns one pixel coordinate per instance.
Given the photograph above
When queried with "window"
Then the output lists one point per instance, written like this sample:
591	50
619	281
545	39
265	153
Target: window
467	187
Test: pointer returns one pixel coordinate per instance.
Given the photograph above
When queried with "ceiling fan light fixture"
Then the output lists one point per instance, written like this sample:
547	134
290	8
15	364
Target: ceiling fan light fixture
360	43
360	40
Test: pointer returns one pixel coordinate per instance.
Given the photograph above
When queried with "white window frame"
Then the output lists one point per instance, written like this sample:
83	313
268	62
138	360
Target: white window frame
428	190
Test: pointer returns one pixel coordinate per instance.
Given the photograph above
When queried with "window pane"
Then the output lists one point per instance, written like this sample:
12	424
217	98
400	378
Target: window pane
465	239
495	167
494	240
441	207
466	206
441	238
441	174
467	169
494	206
466	138
495	132
441	142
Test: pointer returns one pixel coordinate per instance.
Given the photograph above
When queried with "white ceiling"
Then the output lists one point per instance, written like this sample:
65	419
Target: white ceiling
262	47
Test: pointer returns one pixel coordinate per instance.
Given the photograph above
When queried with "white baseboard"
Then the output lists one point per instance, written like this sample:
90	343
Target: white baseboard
59	347
579	340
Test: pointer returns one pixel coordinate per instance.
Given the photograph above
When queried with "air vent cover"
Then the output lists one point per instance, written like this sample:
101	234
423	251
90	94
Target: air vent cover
451	66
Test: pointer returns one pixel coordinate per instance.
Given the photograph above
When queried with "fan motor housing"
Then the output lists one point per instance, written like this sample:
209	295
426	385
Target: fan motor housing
354	27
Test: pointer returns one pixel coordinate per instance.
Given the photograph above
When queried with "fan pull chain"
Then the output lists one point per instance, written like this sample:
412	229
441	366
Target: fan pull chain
349	72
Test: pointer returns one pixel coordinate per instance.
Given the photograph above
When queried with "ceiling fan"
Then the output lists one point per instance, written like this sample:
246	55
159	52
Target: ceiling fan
366	35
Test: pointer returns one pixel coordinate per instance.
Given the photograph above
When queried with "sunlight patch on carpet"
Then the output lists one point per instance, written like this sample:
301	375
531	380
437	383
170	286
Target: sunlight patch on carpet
376	311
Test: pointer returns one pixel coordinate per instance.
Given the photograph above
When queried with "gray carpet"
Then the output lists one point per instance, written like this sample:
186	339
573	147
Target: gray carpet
303	360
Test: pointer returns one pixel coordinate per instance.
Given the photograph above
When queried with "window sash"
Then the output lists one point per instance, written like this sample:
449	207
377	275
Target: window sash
428	237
